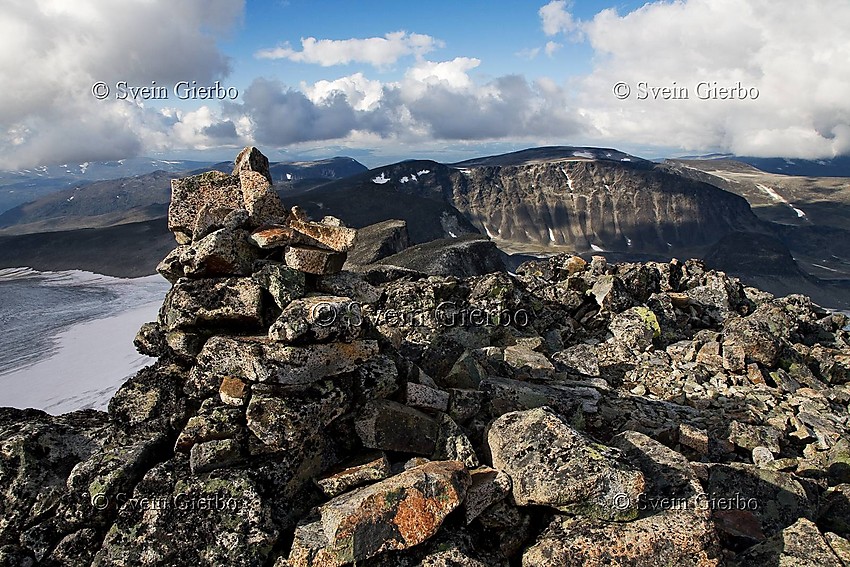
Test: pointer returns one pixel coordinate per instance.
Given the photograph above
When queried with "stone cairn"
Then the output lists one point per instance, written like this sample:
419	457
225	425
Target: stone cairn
573	413
281	353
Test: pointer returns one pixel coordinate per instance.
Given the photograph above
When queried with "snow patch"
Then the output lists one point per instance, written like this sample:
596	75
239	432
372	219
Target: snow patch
93	359
423	172
83	167
824	267
569	181
628	241
626	159
551	236
800	213
587	155
404	179
381	179
596	248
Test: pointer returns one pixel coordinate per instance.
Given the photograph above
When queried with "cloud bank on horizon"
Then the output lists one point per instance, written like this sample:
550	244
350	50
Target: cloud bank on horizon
790	64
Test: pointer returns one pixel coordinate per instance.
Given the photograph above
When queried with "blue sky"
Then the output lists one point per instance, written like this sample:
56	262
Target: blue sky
383	81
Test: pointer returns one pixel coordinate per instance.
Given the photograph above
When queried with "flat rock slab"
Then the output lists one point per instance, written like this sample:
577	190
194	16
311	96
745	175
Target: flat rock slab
336	238
391	426
367	469
213	302
552	464
395	514
257	359
663	539
314	260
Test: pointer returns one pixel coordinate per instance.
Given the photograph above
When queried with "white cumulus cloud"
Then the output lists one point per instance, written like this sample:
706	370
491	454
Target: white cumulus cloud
376	51
795	58
51	52
556	19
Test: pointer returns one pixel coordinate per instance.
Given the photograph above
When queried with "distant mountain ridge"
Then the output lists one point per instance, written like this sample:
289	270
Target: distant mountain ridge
832	167
145	197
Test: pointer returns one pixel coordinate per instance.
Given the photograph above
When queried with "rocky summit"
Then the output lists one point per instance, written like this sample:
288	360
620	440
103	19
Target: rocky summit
571	413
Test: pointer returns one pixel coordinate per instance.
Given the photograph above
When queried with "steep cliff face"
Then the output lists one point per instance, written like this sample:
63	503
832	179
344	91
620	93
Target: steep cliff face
586	205
576	201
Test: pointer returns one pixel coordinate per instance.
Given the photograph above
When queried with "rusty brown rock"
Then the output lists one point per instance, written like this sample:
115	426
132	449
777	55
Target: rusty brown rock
336	238
395	514
232	391
272	237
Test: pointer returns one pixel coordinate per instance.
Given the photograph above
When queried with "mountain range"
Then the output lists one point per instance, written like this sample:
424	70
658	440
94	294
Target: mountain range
783	232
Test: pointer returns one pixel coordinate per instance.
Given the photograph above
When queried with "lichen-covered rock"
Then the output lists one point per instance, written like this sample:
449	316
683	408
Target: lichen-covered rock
314	260
579	358
38	453
390	426
426	397
552	464
215	454
319	318
287	421
349	284
775	498
488	486
211	218
150	340
834	513
284	284
174	518
257	359
218	302
636	328
260	199
453	444
366	469
611	294
378	241
224	252
529	364
798	545
212	422
664	539
190	194
394	514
